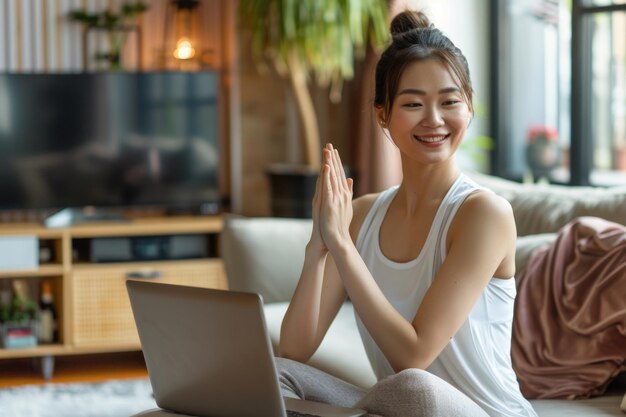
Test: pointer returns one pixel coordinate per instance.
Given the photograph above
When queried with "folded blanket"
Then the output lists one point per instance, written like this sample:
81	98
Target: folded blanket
569	331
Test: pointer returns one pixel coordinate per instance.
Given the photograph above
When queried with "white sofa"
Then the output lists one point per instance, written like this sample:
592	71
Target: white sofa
265	255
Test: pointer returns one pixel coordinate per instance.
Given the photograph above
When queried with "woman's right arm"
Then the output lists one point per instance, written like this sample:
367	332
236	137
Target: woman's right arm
320	291
317	298
315	303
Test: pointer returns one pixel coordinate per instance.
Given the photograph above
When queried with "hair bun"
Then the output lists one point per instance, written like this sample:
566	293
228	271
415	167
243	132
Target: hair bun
409	20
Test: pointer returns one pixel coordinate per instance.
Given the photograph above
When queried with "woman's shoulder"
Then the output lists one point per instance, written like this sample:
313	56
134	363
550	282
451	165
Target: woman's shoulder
486	208
484	226
485	201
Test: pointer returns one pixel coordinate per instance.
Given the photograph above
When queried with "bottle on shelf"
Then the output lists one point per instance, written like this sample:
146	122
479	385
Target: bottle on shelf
5	303
47	315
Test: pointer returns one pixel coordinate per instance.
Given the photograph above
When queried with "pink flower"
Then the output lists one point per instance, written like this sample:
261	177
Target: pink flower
542	133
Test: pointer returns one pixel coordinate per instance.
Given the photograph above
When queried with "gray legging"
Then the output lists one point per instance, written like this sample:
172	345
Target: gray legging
412	392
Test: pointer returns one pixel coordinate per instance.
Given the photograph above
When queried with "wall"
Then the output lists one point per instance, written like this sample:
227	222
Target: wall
38	36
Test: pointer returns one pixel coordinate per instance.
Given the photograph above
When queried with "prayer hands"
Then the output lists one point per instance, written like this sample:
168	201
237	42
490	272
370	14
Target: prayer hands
335	205
316	242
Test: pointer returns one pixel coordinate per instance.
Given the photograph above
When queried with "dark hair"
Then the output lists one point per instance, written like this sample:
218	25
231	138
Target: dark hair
414	38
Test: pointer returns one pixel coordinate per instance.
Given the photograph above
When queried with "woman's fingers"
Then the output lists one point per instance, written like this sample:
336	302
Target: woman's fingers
337	176
340	172
328	187
317	197
328	159
320	179
336	165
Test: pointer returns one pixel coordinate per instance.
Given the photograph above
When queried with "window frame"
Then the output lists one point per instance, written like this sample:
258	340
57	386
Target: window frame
581	150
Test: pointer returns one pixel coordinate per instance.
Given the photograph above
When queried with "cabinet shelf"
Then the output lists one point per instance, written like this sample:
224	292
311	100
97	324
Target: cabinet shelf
42	271
61	350
149	226
94	314
41	350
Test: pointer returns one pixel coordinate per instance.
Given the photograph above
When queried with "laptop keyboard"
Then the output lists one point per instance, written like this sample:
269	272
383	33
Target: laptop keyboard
291	413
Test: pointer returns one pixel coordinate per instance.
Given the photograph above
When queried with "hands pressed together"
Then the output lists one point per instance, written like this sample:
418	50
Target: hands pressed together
332	204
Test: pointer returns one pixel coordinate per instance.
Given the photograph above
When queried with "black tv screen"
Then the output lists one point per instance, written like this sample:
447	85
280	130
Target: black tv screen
109	139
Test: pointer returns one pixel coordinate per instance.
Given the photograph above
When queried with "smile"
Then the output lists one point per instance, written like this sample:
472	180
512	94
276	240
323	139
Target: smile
431	139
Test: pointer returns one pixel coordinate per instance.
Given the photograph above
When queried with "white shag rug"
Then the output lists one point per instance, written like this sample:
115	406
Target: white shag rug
106	399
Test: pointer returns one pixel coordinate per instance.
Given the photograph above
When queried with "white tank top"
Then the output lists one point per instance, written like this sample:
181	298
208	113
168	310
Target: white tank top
477	360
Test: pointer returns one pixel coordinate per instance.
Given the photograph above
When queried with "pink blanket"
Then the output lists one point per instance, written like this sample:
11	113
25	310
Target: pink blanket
569	331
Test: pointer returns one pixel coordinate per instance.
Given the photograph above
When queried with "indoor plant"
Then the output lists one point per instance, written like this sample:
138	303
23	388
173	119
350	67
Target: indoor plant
542	151
313	40
116	26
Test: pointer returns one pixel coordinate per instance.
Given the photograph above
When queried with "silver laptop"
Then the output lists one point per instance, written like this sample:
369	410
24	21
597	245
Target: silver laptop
208	353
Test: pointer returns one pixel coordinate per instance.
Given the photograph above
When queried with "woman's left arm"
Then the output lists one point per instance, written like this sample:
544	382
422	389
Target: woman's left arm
484	233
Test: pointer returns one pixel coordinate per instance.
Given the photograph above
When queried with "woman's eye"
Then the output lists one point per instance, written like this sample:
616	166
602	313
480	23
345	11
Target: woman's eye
451	102
410	105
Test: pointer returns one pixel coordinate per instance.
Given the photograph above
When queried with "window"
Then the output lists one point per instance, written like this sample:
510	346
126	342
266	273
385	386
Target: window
559	90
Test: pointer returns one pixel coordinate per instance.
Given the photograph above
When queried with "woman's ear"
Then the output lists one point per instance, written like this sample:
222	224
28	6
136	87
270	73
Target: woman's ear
380	117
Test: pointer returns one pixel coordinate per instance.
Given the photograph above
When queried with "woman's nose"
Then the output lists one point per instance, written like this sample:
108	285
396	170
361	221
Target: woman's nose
432	118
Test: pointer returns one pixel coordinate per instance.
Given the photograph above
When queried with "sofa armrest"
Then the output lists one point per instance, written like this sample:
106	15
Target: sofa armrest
264	255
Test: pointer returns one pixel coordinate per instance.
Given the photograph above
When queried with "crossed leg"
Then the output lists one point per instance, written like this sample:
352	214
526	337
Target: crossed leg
412	392
415	392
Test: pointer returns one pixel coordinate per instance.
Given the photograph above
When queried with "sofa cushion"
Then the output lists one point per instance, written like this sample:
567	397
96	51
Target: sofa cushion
341	353
264	255
540	208
606	405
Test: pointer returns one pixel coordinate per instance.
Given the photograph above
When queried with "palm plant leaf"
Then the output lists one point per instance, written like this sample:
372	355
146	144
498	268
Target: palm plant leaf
314	38
326	35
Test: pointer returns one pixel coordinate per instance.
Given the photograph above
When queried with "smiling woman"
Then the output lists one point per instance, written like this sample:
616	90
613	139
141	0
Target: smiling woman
427	264
430	112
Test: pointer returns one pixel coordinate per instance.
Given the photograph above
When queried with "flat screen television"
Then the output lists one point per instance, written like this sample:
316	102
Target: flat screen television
109	140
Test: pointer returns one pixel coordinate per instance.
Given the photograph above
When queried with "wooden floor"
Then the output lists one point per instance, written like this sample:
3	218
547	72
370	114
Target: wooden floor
83	368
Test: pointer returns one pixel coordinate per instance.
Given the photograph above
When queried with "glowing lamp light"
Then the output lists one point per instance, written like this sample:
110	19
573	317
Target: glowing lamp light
182	45
184	49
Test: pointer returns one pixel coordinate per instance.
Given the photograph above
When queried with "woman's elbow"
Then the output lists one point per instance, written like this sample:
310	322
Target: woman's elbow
412	362
293	354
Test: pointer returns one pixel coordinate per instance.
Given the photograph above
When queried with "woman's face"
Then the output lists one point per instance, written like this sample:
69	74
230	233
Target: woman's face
429	114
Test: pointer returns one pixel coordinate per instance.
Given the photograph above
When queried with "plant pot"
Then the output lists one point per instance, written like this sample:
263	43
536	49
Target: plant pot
542	157
292	190
18	334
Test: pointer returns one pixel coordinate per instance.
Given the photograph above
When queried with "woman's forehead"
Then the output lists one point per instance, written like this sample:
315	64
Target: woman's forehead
428	75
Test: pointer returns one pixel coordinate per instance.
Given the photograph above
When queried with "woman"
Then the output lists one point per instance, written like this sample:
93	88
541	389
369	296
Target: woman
428	264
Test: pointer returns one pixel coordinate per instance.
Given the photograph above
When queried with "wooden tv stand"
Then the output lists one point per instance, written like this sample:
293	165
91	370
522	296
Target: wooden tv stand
90	298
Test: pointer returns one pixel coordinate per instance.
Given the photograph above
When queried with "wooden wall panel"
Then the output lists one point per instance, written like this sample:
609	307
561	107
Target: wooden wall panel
37	35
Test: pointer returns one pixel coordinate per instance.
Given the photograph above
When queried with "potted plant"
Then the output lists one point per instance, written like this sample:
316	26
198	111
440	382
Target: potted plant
542	151
311	40
116	26
17	317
